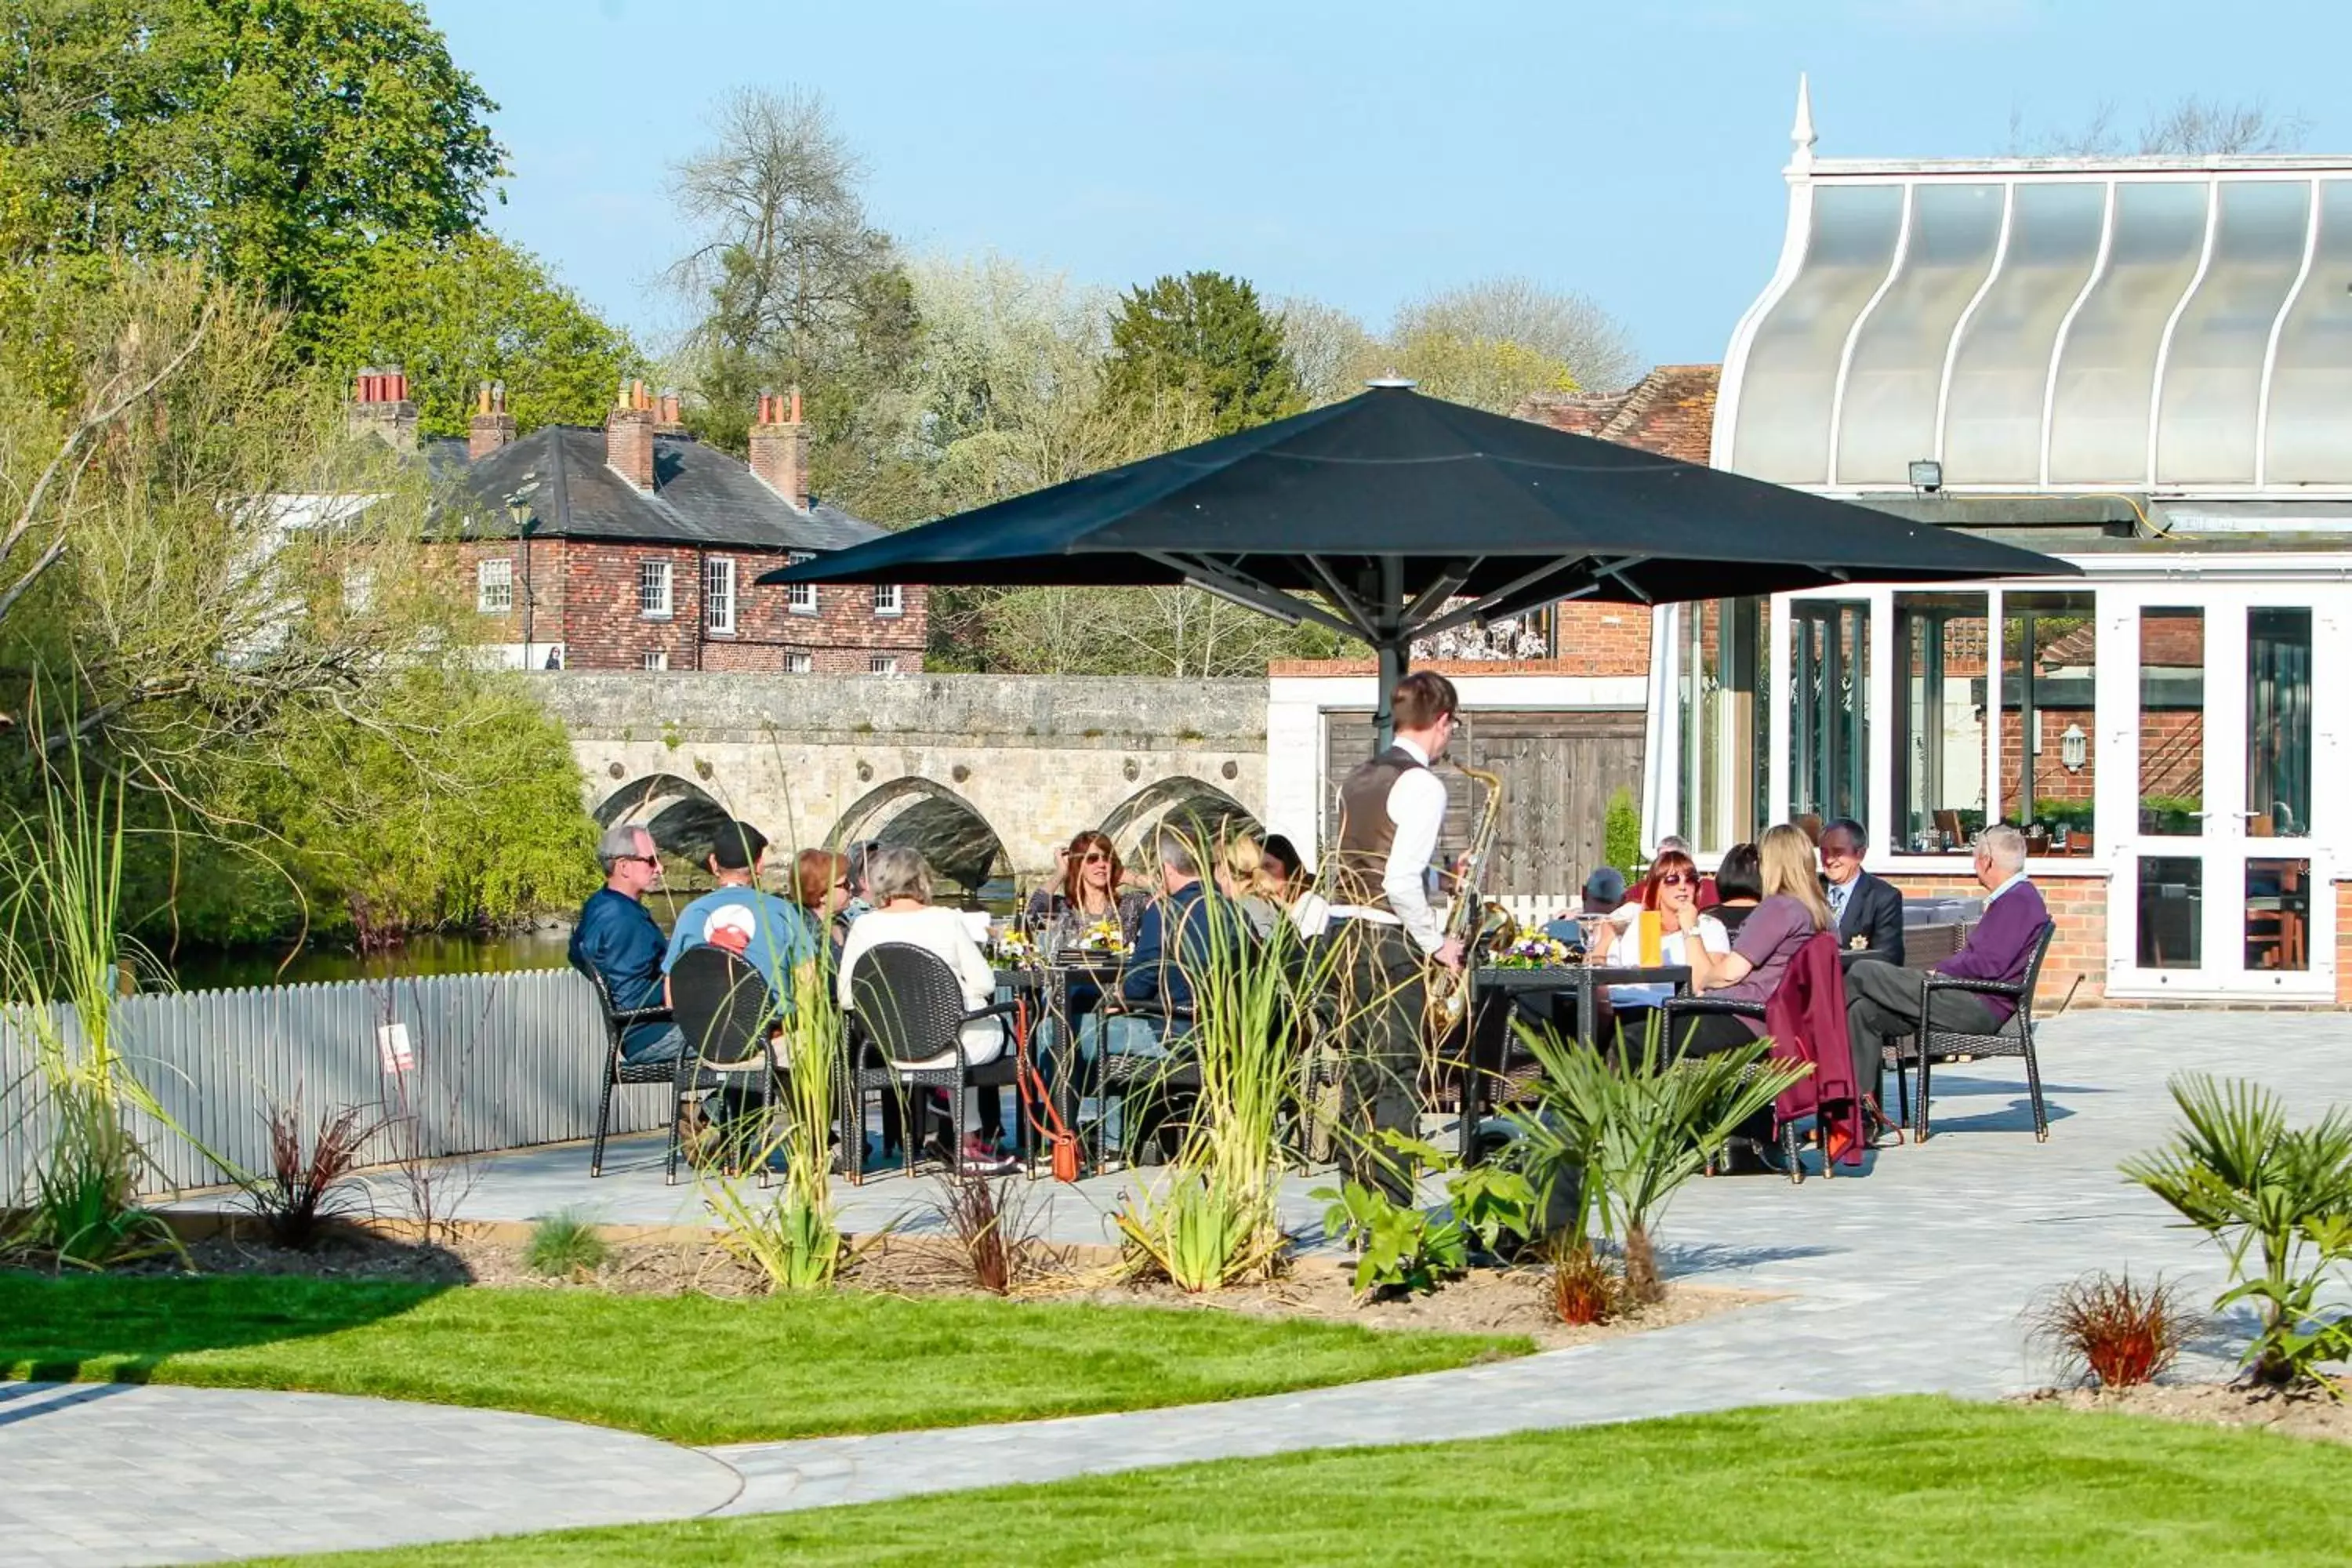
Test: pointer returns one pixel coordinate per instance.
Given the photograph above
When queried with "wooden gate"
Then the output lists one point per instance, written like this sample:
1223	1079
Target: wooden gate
1559	770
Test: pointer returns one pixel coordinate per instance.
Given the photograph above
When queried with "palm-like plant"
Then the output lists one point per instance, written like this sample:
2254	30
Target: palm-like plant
2236	1171
1632	1129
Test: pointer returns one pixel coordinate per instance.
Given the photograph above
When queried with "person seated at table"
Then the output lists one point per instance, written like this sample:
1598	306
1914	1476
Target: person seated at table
1791	911
780	939
1738	885
1291	888
901	882
820	891
1086	894
859	897
616	938
1885	1000
1605	894
1671	890
1867	911
1241	877
1154	1005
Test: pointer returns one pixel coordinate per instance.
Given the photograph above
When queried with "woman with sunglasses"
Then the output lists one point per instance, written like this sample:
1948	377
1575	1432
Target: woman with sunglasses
1087	893
1672	889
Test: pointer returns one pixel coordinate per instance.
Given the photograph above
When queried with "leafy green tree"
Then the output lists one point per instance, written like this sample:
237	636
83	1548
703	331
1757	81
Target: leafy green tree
472	309
277	141
1205	338
1492	374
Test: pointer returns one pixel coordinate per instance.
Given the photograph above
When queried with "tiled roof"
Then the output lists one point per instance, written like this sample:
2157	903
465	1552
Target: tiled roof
1670	411
701	494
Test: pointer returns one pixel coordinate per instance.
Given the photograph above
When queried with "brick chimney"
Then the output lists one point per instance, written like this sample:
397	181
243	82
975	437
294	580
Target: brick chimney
380	407
780	447
667	418
492	426
629	435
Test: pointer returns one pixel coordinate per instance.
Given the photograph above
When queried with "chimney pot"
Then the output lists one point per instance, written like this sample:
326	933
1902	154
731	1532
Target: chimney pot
780	449
380	407
629	444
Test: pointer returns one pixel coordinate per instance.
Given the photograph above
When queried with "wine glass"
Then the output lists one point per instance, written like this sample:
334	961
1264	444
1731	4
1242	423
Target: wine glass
1597	929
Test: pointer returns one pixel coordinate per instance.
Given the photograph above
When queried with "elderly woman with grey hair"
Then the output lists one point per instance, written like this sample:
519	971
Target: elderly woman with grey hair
899	883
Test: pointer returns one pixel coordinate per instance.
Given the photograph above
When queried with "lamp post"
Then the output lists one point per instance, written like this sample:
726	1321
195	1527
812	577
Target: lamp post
519	511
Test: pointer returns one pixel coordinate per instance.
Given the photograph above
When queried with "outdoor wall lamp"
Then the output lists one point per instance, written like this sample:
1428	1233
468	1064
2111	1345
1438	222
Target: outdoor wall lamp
2073	748
1927	474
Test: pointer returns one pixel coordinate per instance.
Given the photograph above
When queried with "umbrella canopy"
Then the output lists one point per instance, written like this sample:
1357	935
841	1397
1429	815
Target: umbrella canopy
1393	516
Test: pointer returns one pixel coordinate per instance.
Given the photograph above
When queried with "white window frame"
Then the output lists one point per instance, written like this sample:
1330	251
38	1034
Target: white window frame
800	598
655	661
800	663
889	599
882	664
494	584
654	599
719	594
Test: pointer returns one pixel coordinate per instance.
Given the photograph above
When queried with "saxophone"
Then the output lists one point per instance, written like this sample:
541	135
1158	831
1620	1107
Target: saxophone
1449	990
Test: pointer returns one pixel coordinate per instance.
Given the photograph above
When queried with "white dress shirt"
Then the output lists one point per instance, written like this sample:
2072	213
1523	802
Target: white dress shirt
1416	808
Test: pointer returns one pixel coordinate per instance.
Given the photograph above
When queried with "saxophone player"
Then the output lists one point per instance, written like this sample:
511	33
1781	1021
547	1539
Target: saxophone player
1391	809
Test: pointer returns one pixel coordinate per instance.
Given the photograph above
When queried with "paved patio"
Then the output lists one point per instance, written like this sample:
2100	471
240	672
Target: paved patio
1909	1279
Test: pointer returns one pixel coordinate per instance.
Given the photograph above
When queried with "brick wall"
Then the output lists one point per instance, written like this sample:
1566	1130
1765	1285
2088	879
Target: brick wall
2079	905
1603	639
2343	944
589	601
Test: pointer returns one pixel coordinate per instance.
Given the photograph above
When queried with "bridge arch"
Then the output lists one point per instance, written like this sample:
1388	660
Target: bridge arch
682	816
962	846
1193	806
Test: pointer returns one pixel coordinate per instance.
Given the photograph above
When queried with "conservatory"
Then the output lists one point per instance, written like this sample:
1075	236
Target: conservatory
2146	368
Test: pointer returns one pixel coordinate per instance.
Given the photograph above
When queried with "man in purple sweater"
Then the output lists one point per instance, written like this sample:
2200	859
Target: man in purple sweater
1884	1001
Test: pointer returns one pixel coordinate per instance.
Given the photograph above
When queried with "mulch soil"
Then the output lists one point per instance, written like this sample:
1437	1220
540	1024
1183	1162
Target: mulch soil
2301	1414
1508	1300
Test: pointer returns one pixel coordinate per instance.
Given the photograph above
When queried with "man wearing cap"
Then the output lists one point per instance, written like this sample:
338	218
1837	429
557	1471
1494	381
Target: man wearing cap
775	934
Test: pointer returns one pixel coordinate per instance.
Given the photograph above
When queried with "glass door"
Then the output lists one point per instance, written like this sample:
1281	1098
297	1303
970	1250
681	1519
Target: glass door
1829	709
2220	891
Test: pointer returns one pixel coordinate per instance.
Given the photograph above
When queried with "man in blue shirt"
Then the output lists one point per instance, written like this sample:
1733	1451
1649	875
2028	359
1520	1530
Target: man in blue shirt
1172	935
616	939
780	938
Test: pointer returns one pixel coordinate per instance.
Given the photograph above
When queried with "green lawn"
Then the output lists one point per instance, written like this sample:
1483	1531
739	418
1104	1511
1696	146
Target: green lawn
1875	1482
692	1369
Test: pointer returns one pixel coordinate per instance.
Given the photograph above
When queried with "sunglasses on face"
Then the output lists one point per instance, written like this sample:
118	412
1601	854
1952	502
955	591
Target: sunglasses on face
1094	858
1678	879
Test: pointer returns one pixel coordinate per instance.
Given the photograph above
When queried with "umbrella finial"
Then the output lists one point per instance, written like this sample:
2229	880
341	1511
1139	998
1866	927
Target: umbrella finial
1393	379
1800	134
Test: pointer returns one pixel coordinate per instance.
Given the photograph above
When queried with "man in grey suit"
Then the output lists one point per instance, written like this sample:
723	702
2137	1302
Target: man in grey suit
1868	909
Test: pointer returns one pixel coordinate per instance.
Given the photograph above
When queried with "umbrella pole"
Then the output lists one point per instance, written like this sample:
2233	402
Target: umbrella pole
1393	660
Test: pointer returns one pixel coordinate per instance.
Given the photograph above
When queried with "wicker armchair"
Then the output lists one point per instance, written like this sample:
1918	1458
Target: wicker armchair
2013	1038
1679	1011
906	1025
620	1071
728	1016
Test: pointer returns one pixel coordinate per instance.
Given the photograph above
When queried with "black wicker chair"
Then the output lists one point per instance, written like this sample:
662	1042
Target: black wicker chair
1150	1081
726	1012
906	1023
1679	1013
619	1072
2014	1038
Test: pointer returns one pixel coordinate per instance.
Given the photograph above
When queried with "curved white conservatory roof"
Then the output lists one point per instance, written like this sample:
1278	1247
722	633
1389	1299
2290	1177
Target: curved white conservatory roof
2073	325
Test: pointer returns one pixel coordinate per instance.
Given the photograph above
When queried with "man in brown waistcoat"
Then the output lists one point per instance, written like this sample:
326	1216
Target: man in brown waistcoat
1391	809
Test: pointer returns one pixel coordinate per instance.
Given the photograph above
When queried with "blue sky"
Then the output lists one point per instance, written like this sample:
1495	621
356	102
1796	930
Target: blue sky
1360	153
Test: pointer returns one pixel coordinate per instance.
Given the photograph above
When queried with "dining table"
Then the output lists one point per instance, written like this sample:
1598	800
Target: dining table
1052	985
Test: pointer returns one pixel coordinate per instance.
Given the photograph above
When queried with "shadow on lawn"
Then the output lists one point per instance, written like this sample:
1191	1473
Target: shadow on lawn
120	1328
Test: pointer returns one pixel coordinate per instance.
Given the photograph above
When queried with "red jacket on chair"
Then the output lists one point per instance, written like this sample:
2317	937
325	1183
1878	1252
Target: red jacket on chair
1806	1018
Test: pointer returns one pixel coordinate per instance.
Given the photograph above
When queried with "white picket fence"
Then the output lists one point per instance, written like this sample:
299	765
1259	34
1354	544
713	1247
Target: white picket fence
493	1061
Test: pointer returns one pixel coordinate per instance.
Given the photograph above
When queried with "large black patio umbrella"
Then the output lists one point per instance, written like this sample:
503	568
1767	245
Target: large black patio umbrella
1392	517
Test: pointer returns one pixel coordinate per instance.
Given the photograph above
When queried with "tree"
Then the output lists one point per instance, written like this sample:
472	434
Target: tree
277	141
2190	127
1330	348
1492	374
795	286
474	309
1203	338
1510	331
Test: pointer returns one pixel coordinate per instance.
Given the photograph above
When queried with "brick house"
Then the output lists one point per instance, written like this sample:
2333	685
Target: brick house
638	547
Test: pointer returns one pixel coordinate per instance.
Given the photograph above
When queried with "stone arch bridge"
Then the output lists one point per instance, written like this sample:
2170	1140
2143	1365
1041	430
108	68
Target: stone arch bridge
988	774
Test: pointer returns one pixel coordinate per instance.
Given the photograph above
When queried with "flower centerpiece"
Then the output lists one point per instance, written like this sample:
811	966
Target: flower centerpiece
1534	950
1016	949
1103	936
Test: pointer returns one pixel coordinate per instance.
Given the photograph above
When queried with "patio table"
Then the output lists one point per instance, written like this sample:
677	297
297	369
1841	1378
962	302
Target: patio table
1052	983
1495	991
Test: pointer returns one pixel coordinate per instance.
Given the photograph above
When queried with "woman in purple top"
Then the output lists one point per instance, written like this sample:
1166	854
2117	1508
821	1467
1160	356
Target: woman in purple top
1793	910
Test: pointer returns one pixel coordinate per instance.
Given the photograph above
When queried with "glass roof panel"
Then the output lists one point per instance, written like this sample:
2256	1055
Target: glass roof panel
2310	379
1783	417
2099	403
1888	416
1992	421
2214	371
